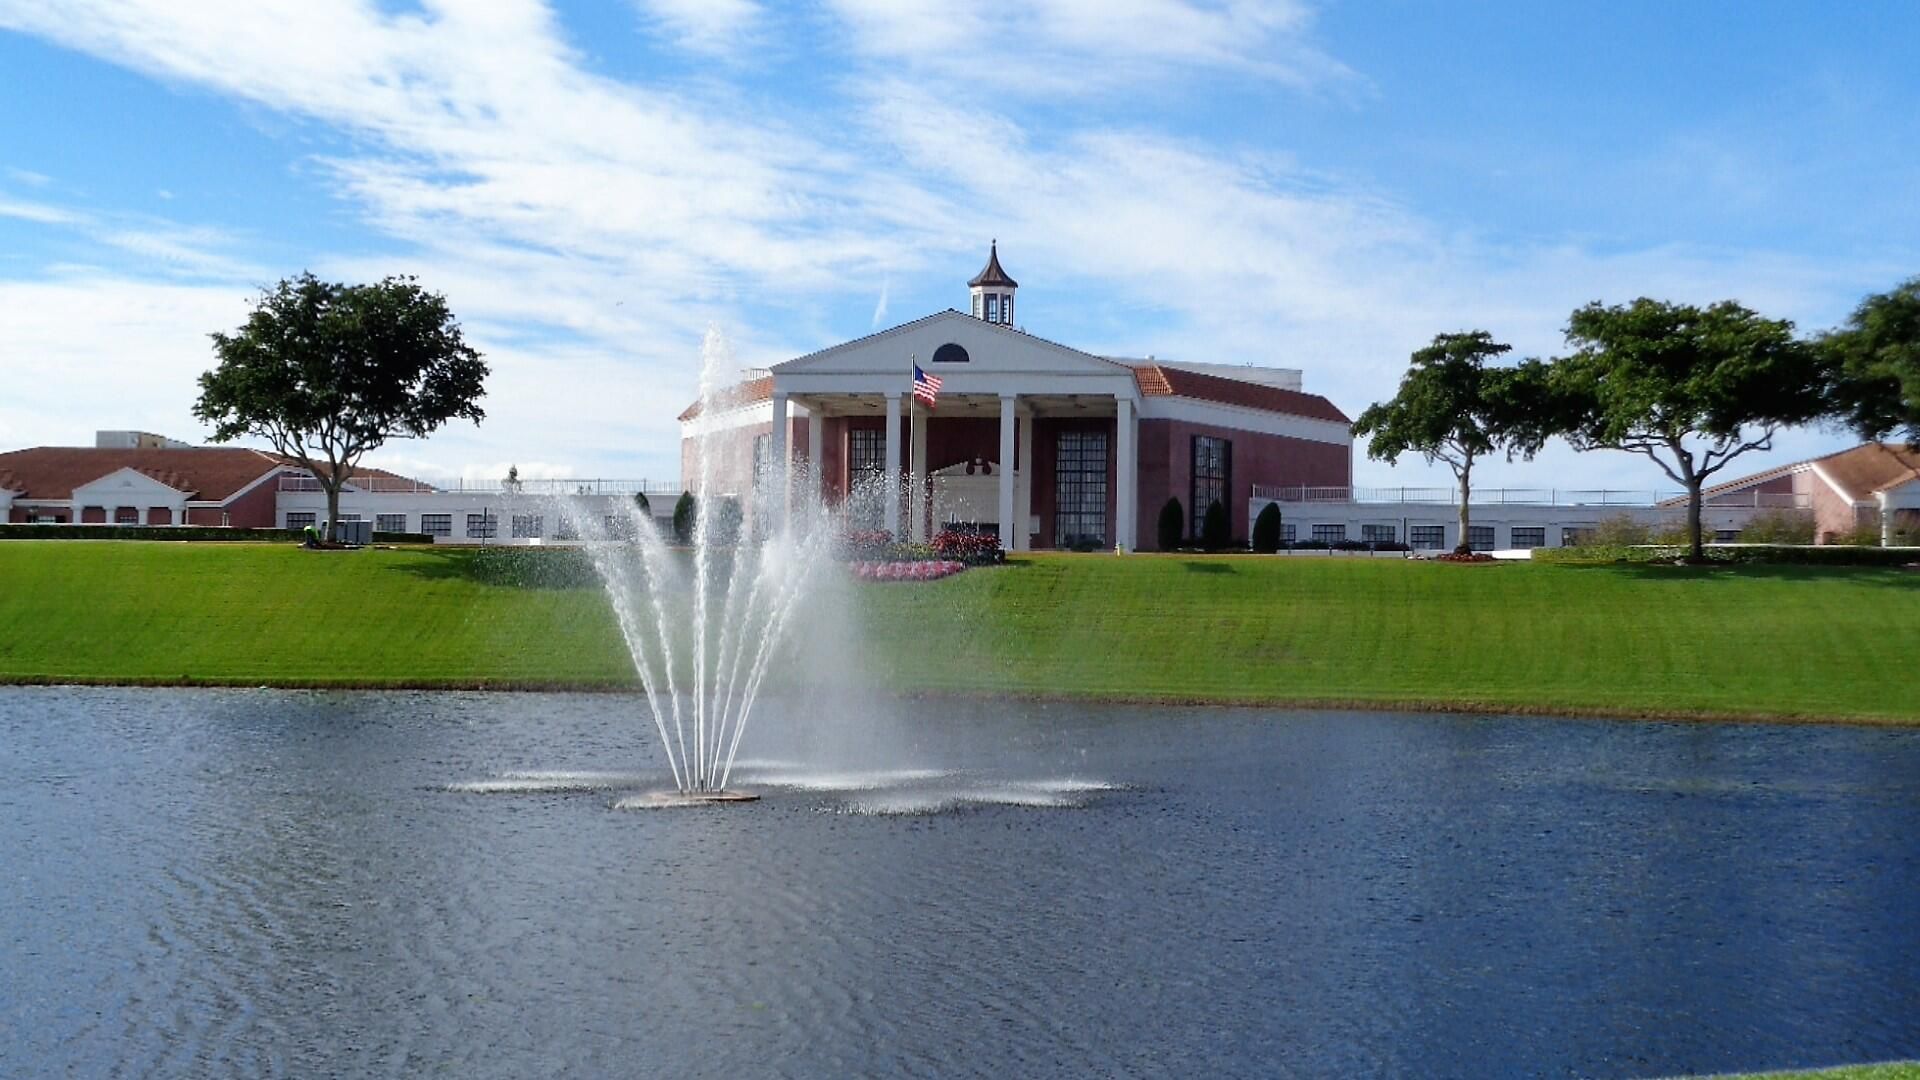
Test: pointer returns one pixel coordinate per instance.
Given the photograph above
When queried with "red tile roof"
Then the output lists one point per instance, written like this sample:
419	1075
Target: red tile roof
207	473
1157	380
1871	467
751	392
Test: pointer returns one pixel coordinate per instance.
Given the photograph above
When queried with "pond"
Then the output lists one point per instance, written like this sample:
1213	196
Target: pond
280	883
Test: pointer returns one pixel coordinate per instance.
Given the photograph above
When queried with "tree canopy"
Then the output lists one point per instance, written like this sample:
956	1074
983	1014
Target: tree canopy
1690	388
1876	357
1453	408
326	372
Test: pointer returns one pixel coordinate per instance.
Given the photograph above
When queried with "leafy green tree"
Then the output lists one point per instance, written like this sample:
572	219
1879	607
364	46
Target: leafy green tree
1452	408
1689	388
326	372
1214	527
1173	521
685	513
1876	359
1266	530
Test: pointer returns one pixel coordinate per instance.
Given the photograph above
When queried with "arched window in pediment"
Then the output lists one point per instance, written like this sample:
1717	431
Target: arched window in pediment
950	353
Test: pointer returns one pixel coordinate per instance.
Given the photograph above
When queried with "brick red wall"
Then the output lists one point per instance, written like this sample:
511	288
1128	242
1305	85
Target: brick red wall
253	509
1166	470
93	515
160	515
1832	515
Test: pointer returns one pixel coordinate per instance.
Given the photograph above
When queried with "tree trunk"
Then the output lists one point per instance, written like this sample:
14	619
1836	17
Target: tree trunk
1466	497
333	509
1698	551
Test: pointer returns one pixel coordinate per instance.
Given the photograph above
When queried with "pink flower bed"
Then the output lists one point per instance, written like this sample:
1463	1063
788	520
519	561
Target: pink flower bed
907	571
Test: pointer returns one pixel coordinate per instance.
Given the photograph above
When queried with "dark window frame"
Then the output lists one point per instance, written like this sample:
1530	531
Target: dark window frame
1080	488
1209	477
436	524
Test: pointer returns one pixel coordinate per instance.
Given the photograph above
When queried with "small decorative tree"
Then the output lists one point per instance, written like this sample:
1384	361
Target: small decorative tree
328	372
511	484
1213	527
685	514
1172	520
1266	530
1689	388
1875	358
1454	409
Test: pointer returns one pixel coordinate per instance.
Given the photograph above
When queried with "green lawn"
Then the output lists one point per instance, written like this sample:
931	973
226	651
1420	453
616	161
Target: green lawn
1894	1070
1761	641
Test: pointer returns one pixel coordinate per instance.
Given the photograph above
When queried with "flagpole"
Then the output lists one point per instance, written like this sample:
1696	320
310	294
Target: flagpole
913	405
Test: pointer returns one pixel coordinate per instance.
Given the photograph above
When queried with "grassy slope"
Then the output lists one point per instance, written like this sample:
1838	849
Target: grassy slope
1772	641
127	611
1896	1070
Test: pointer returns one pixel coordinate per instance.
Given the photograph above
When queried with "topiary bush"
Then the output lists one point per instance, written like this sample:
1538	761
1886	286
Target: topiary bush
1213	528
1172	523
1266	530
685	515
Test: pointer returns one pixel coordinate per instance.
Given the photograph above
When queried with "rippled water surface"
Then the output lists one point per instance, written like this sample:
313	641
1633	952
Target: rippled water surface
254	883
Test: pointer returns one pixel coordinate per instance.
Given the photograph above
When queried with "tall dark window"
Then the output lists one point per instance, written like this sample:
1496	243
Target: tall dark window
1080	489
866	452
1212	479
866	464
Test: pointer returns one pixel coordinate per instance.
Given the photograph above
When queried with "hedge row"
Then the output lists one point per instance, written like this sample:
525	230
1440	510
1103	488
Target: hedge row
176	532
1743	554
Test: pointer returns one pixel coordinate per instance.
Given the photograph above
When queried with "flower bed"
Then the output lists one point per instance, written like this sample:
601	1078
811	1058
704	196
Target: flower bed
930	570
972	548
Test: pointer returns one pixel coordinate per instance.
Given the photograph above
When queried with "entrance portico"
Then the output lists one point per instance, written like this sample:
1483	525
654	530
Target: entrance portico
999	387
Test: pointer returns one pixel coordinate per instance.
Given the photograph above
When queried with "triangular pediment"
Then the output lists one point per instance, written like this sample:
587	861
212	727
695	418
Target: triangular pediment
989	349
127	482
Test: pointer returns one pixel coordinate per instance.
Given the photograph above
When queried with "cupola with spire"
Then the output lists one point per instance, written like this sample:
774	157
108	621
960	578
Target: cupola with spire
993	290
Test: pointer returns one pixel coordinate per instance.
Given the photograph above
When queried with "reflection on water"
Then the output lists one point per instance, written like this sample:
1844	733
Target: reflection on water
250	883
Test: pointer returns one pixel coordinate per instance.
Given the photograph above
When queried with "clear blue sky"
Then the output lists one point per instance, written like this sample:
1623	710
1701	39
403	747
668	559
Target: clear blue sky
1316	186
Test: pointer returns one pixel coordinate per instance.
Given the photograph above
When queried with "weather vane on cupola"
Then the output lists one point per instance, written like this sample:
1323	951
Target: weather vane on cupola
993	290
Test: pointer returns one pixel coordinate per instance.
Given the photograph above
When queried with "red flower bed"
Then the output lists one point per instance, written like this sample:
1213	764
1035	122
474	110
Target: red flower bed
972	548
907	571
1465	556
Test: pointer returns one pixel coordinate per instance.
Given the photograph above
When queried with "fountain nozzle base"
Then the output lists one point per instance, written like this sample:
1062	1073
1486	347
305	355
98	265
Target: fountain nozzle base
665	799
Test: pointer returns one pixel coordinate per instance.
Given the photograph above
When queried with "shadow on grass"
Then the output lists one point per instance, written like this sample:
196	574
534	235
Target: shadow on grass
502	567
1207	567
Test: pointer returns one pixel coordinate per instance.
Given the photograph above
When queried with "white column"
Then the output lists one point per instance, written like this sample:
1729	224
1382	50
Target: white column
1023	500
1886	519
1126	475
816	447
779	462
892	519
917	499
1007	529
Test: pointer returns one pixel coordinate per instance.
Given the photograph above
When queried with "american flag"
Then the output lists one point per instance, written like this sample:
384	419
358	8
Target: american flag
925	387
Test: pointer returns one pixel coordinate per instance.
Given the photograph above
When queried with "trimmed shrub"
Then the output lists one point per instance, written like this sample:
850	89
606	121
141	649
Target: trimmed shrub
1620	530
641	504
685	515
145	532
1266	530
868	543
1779	527
1171	526
1213	527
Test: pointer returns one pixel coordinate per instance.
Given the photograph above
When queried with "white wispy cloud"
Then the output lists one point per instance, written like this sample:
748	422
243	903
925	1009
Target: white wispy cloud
1091	46
717	27
589	228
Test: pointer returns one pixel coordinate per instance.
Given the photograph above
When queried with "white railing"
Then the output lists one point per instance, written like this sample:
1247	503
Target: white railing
1450	496
391	485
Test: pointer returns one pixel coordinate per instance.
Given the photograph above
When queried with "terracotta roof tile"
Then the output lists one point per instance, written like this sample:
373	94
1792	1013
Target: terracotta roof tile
1871	467
750	392
206	473
209	474
1156	380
